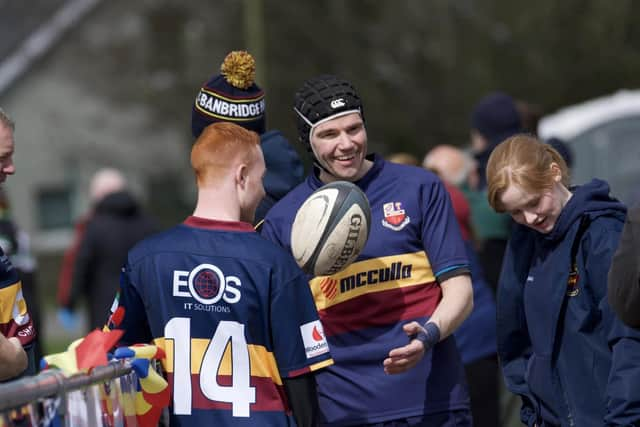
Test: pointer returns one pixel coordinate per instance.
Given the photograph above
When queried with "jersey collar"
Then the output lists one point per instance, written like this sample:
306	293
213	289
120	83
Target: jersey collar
215	224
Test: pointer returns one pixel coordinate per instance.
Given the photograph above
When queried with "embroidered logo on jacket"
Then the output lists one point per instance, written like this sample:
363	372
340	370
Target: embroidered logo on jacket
572	282
394	216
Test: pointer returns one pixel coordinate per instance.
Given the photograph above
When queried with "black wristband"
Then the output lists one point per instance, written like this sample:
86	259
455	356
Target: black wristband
430	336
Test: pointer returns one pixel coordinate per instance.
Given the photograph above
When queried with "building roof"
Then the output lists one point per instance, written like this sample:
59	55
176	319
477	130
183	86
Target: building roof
28	29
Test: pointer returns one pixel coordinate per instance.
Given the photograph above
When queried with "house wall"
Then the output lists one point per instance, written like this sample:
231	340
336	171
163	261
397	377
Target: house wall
65	131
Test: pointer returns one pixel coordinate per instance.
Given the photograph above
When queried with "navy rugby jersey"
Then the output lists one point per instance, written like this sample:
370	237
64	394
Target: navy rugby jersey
233	313
414	242
14	316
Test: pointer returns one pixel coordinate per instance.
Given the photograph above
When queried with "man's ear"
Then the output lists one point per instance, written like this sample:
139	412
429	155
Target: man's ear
241	174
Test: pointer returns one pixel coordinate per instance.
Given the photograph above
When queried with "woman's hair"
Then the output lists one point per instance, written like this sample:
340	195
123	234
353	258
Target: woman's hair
525	161
220	146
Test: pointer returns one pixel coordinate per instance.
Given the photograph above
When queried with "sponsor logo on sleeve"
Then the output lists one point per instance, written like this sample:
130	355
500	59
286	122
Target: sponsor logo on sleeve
315	342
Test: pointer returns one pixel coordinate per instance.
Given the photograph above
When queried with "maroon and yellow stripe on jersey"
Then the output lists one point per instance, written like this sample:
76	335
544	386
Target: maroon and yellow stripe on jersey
14	316
376	292
270	394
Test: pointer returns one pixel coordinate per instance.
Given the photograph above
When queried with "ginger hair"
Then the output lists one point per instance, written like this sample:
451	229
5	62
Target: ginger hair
221	146
525	161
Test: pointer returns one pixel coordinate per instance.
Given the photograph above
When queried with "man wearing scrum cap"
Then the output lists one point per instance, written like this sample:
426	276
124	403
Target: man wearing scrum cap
395	360
233	96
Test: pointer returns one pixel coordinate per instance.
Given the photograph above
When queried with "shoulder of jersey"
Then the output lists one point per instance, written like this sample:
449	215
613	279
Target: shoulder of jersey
152	243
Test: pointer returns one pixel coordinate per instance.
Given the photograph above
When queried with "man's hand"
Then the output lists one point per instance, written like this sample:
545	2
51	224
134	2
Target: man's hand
13	358
402	359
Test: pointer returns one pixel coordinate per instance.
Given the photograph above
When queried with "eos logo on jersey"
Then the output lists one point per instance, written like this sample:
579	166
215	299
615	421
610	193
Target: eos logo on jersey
207	284
379	275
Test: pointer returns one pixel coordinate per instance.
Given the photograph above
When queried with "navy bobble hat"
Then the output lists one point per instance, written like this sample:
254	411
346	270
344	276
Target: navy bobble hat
496	118
231	96
323	98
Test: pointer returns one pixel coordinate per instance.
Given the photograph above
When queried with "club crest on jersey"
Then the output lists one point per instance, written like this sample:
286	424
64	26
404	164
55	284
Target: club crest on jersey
394	216
313	338
572	283
207	284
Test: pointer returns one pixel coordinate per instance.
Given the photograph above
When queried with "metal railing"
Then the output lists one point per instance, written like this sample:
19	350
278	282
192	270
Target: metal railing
53	398
53	382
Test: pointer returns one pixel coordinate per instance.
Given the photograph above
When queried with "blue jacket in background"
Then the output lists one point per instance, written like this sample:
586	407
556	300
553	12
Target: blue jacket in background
284	170
562	349
476	336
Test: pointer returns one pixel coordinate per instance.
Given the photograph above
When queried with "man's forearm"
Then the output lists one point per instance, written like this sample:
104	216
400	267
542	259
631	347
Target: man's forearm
455	306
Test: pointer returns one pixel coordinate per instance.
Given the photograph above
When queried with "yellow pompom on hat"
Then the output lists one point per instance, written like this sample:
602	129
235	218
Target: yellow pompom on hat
231	96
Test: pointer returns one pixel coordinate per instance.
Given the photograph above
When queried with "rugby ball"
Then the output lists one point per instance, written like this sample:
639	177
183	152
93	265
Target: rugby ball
330	228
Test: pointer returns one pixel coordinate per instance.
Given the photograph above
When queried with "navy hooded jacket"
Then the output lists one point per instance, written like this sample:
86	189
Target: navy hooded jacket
284	170
561	348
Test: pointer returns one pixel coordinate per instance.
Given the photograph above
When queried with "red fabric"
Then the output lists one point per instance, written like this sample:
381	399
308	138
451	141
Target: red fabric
92	351
461	209
66	270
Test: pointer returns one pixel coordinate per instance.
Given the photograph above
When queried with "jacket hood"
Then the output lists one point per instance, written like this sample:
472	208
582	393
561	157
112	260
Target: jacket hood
284	168
591	200
120	203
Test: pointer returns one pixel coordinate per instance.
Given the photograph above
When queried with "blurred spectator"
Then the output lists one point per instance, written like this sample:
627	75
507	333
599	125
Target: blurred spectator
234	88
530	115
459	169
624	274
102	183
476	337
15	243
17	332
494	118
115	225
403	158
562	148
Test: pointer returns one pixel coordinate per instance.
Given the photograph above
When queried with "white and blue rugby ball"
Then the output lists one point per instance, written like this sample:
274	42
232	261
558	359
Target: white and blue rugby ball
331	228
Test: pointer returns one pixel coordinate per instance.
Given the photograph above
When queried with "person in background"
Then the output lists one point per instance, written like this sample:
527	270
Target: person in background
403	158
476	337
563	149
494	119
105	181
116	224
624	274
232	310
561	347
233	96
16	244
17	332
390	315
530	115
